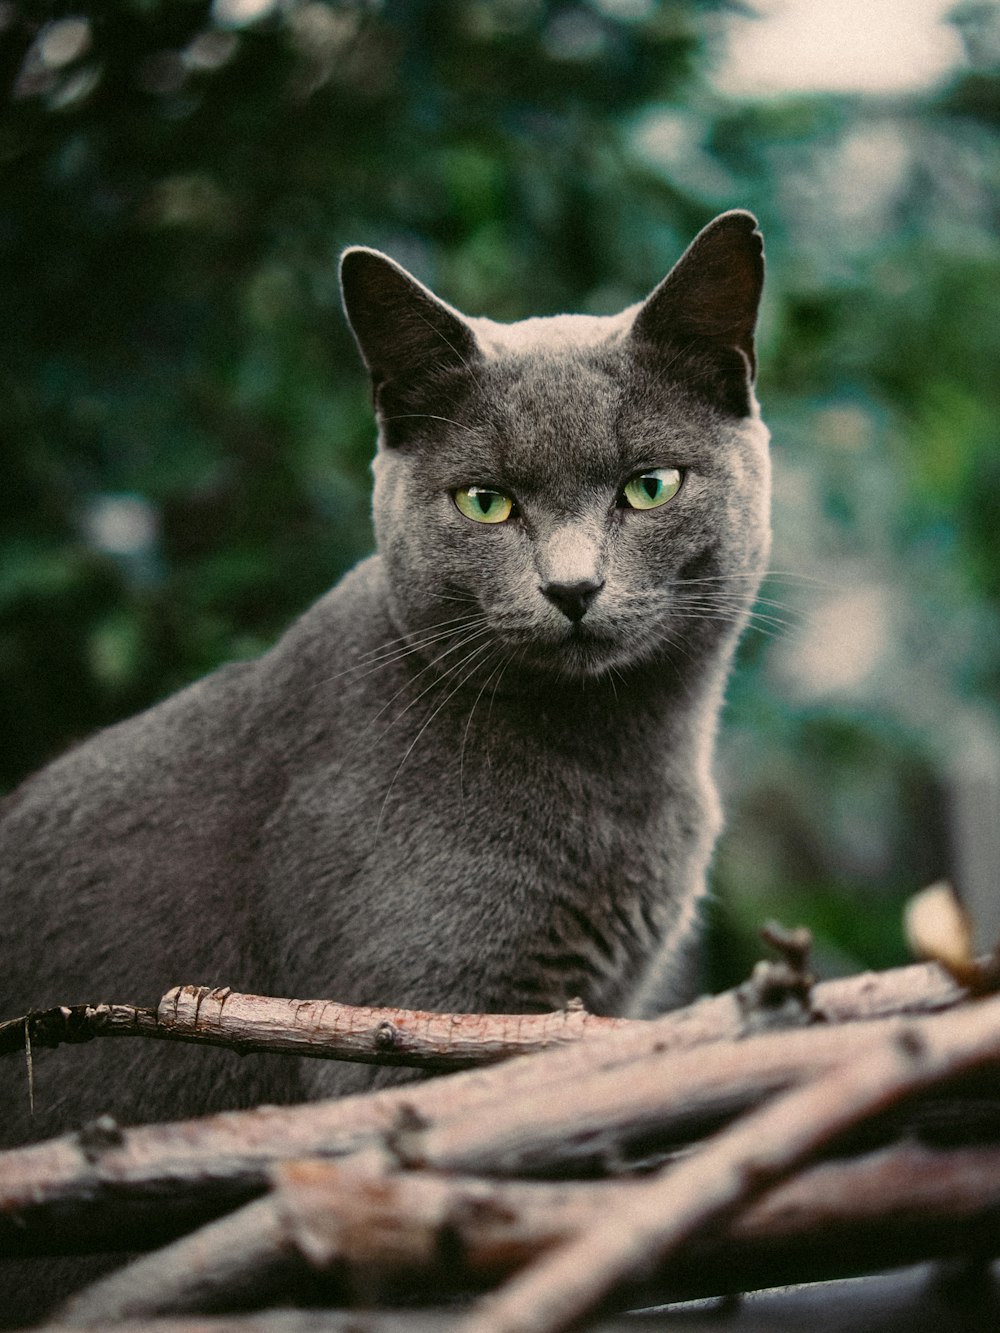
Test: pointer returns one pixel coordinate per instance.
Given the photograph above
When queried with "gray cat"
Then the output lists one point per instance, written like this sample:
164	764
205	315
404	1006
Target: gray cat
476	775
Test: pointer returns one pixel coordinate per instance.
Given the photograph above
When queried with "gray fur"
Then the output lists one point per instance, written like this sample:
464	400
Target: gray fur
436	790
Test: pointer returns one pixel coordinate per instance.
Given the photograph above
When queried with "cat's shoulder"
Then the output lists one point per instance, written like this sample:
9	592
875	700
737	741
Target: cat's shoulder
328	639
202	730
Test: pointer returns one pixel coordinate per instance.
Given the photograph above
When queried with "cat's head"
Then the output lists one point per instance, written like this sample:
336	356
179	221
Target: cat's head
573	493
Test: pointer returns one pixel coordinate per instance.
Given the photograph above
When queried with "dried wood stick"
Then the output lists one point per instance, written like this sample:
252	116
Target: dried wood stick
842	1217
240	1254
544	1112
321	1028
213	1163
333	1321
910	1300
450	1233
737	1167
325	1029
309	1321
659	1099
436	1041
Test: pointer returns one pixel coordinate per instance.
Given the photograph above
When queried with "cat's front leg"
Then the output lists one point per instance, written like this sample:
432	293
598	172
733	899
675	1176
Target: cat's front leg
671	976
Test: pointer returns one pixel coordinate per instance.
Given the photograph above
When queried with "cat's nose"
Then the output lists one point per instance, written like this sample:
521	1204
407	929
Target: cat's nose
573	599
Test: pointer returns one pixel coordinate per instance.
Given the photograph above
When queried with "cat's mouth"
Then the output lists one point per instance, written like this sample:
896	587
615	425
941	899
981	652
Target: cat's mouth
583	633
580	649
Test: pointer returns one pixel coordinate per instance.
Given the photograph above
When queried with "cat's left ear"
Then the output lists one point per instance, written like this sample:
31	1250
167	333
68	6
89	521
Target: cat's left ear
705	310
404	332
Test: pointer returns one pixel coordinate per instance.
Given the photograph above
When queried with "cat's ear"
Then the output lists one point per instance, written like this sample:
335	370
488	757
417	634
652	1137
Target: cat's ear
405	333
705	310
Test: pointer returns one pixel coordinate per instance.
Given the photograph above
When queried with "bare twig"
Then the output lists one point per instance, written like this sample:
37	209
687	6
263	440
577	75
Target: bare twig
437	1041
538	1119
321	1028
451	1233
652	1102
547	1110
897	1205
240	1254
626	1088
737	1167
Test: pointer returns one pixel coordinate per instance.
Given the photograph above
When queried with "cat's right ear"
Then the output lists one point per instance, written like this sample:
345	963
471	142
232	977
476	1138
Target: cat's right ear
702	315
405	334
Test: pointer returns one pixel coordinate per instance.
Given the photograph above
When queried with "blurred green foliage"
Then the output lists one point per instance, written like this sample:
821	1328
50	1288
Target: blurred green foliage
186	431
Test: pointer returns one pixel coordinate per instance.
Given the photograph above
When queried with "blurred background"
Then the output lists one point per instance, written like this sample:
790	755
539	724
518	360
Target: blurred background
186	431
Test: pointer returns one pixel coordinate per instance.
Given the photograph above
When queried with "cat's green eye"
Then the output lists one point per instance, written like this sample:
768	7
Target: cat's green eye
651	489
483	505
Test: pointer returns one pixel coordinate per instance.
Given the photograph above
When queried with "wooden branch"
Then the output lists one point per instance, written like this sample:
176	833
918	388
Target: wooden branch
435	1041
725	1216
450	1234
545	1112
569	1106
914	1301
239	1255
251	1024
918	1301
737	1167
656	1100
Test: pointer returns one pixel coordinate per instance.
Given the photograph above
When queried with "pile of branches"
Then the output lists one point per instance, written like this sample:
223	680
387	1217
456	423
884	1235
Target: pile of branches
783	1132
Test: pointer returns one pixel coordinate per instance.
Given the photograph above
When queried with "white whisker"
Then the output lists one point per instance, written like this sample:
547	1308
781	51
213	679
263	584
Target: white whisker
493	695
430	416
470	657
465	733
417	645
408	637
386	655
360	736
458	646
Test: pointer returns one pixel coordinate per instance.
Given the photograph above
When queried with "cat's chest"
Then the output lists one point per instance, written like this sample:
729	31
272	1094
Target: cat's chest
550	864
545	787
480	848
